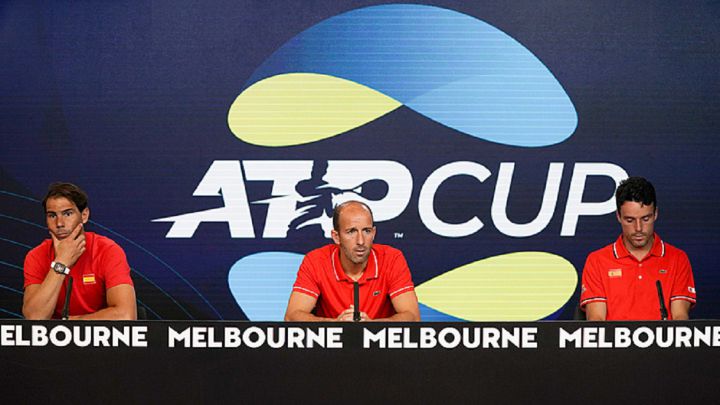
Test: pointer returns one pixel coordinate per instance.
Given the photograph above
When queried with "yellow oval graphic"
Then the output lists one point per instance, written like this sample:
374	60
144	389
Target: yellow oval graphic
298	108
519	286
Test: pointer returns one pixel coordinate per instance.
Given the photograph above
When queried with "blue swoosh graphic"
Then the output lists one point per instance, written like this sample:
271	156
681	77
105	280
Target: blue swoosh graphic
453	68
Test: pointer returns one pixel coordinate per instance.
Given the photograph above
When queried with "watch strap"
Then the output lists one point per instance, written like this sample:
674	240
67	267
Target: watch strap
60	268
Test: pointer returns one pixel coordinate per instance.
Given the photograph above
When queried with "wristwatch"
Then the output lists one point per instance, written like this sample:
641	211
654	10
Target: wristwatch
60	268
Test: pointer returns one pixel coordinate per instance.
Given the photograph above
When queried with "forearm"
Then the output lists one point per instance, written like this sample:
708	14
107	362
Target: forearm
108	314
680	310
596	311
302	316
40	300
406	309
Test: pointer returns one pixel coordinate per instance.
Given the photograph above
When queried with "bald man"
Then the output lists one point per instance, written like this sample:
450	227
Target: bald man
329	276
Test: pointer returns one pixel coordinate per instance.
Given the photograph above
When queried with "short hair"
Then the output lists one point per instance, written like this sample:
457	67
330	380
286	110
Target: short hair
69	191
636	189
340	207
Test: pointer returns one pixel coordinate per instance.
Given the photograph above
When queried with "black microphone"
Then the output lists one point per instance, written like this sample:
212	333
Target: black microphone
356	305
663	309
66	308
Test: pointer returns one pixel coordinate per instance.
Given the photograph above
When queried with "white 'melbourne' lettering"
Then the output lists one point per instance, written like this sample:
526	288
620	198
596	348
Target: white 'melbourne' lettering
394	338
198	337
334	338
295	337
576	207
174	336
12	335
547	208
642	337
449	338
491	337
427	199
102	336
528	338
638	334
232	337
622	337
57	340
574	337
39	335
427	338
253	337
369	338
683	338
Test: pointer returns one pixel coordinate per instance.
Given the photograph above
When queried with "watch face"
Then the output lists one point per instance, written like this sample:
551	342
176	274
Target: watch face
59	267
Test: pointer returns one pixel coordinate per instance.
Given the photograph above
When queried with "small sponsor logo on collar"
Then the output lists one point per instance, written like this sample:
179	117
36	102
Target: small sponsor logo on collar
615	273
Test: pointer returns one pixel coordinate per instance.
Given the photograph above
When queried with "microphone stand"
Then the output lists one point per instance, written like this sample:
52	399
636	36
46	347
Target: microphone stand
68	291
663	309
356	302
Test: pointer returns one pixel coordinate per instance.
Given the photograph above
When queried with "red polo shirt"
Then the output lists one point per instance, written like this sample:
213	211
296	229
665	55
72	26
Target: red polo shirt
386	276
102	266
627	285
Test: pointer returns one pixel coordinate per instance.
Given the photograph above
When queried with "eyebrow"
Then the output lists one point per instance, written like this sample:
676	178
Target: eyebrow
361	229
62	212
631	217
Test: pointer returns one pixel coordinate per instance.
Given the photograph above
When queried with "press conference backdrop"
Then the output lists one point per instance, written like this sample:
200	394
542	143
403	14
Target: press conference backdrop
214	139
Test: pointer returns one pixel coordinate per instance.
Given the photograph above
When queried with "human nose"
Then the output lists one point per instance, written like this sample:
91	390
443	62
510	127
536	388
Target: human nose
59	222
638	225
360	239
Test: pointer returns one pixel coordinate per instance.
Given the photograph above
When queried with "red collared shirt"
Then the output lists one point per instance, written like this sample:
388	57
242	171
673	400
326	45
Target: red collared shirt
386	276
627	285
101	267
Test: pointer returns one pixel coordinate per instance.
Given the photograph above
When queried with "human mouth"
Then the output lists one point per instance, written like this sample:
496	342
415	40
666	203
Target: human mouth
360	252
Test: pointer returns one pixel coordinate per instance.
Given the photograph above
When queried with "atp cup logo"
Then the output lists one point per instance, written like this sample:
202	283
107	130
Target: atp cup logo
350	70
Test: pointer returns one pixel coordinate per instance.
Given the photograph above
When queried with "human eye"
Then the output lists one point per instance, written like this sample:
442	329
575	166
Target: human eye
51	215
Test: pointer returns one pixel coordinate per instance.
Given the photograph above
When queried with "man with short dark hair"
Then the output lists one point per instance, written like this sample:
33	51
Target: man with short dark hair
327	278
619	280
102	287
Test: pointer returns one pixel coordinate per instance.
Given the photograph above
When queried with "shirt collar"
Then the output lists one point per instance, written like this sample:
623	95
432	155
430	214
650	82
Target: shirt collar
657	249
371	267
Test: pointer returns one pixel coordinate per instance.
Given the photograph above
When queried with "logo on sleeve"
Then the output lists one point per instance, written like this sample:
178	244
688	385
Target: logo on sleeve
691	289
